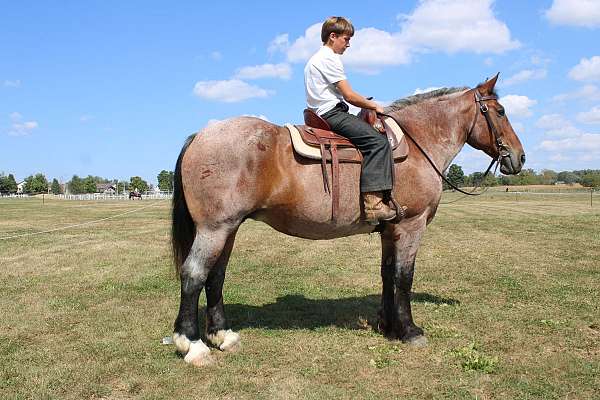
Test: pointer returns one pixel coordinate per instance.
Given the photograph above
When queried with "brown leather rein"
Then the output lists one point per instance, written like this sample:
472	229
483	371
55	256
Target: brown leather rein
501	147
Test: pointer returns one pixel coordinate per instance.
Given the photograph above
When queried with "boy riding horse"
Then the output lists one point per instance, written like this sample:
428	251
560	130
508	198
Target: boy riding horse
326	89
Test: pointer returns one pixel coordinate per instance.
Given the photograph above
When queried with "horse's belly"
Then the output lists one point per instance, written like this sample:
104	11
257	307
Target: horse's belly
310	228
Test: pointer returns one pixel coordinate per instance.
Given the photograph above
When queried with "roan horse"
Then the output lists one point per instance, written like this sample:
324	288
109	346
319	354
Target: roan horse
246	168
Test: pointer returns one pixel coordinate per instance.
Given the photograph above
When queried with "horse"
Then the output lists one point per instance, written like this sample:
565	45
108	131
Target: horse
245	167
133	195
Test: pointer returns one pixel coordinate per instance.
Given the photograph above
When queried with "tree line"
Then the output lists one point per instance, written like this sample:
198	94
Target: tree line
586	177
37	183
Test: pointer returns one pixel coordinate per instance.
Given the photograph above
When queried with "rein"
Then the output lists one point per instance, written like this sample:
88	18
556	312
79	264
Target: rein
502	149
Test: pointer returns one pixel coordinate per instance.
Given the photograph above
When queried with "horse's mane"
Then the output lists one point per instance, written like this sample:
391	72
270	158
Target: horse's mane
407	101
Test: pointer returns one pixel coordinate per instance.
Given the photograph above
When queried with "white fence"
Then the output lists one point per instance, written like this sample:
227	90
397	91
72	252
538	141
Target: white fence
103	196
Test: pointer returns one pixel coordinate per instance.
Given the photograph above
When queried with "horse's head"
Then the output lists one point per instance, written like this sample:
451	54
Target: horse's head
492	132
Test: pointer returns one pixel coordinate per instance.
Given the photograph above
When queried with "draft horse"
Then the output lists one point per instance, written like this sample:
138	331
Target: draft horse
246	168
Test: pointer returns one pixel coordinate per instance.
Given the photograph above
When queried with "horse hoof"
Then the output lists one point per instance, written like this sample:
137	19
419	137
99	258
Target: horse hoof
201	360
417	341
198	355
225	340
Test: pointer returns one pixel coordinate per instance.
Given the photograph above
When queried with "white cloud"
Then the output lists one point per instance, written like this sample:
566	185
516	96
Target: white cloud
19	128
373	48
434	25
282	71
584	13
305	46
516	105
590	117
559	157
586	70
586	92
15	116
457	25
216	55
489	61
15	83
585	142
280	43
86	118
556	125
429	89
229	91
524	76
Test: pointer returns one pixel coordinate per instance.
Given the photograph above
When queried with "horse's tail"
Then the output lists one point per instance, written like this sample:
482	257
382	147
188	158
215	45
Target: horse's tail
183	228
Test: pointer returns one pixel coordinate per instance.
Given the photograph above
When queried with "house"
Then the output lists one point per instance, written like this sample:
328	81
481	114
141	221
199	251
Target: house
106	188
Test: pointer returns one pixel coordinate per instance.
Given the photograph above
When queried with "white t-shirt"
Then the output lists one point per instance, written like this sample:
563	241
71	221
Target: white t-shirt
320	73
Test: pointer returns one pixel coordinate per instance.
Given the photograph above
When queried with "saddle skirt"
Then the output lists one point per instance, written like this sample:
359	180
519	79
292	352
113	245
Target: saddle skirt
311	142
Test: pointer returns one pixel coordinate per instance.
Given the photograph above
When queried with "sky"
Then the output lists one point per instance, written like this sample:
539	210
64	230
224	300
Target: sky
113	88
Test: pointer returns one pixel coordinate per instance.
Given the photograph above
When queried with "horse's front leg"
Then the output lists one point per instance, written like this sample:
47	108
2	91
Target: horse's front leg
400	243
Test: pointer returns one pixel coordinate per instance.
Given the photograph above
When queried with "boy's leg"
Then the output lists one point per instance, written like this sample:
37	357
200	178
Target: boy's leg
376	174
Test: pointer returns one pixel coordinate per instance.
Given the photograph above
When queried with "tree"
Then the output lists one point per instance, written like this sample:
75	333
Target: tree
165	180
89	184
548	177
55	187
137	183
591	179
76	185
8	184
36	184
568	177
456	175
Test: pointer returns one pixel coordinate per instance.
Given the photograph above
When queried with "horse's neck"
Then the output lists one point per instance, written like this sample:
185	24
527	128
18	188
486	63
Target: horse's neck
439	128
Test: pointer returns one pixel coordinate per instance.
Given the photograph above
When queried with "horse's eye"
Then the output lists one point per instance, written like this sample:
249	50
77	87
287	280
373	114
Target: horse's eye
501	112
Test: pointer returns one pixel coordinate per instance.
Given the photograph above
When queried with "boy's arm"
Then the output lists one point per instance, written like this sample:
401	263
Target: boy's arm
356	99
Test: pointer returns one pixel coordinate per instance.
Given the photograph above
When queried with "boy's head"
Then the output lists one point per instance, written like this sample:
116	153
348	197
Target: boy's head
336	33
337	25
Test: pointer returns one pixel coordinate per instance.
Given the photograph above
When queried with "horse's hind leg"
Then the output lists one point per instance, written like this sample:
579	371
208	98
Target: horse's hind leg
216	325
205	252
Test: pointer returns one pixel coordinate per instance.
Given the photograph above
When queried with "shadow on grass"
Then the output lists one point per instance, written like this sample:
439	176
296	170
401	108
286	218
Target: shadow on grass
295	311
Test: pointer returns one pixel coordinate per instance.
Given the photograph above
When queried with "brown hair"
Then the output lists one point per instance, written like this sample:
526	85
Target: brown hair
337	25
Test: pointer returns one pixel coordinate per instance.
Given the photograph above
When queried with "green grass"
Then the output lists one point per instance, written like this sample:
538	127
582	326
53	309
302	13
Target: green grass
506	289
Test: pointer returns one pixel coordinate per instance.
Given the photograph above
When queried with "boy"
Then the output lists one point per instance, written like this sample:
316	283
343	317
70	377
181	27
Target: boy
326	87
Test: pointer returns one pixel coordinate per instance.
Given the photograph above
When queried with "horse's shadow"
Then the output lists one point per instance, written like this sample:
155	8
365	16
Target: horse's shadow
294	311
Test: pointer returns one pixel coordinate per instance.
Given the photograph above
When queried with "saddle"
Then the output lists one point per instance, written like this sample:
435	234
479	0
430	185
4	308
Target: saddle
315	140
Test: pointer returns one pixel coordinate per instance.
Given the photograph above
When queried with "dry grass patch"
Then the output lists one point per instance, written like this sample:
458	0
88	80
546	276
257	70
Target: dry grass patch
505	288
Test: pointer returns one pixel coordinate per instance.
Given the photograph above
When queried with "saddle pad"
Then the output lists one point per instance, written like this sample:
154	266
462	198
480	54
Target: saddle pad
349	154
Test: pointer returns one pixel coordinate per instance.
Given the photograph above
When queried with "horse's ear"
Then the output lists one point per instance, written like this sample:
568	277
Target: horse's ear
488	86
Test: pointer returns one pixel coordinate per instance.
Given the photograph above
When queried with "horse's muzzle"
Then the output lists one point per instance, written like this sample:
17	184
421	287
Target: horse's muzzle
512	163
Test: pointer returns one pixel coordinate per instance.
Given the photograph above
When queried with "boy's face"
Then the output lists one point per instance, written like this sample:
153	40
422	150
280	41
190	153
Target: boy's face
339	43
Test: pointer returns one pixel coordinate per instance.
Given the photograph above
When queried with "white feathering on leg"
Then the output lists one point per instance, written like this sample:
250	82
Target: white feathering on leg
199	354
182	343
230	341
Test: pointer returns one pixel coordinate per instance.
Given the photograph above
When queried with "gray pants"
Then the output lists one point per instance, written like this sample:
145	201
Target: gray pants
376	173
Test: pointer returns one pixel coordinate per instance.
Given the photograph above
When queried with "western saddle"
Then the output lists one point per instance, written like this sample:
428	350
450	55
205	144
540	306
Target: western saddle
315	140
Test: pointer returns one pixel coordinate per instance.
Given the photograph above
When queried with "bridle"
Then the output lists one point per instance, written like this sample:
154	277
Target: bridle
501	147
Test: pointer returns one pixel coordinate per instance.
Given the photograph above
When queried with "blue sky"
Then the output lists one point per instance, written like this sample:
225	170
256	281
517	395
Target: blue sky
112	88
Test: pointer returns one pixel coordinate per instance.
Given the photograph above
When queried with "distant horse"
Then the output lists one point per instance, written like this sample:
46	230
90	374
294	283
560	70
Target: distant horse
246	168
135	195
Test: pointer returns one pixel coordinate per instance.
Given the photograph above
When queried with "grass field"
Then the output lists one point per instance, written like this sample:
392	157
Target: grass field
506	287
